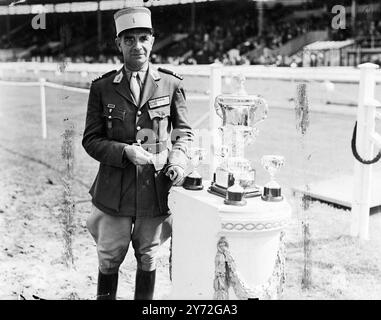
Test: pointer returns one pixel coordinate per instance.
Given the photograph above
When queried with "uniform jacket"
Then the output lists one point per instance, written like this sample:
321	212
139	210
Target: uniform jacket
113	120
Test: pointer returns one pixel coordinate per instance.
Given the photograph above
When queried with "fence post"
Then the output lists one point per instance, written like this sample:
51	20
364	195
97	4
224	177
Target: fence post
43	107
366	113
215	90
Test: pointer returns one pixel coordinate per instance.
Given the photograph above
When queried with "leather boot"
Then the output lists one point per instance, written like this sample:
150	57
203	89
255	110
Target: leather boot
144	284
107	286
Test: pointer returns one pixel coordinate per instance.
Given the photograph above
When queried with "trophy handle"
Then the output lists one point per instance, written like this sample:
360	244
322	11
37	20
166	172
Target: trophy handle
195	156
224	151
265	109
251	136
218	108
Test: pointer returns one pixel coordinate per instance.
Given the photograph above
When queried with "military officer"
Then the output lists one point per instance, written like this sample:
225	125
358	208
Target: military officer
137	128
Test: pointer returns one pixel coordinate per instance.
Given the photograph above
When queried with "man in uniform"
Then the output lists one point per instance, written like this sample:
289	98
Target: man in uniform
134	115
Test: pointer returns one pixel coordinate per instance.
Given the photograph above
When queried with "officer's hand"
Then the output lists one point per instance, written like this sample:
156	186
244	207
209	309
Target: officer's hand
137	155
176	174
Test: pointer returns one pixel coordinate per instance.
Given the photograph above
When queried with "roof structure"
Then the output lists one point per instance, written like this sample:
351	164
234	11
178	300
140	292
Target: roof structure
125	2
16	2
328	45
18	7
29	6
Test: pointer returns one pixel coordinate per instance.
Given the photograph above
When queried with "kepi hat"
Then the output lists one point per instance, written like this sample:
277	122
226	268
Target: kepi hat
133	17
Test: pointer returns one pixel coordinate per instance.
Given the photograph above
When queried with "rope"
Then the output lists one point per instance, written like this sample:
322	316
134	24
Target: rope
170	259
82	90
61	86
21	84
47	84
226	276
356	154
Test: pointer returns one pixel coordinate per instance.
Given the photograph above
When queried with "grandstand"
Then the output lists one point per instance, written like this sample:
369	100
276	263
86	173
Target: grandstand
195	32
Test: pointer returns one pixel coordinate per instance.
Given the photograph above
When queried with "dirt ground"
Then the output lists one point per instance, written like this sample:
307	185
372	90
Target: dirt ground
32	250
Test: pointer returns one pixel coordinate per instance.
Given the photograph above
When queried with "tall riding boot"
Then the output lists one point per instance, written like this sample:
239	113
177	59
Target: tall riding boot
107	286
144	284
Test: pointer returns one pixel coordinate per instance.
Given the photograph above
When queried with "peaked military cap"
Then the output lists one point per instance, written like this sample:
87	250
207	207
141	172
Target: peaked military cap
133	17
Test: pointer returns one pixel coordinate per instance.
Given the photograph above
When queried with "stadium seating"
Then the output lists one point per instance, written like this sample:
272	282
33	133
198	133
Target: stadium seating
224	31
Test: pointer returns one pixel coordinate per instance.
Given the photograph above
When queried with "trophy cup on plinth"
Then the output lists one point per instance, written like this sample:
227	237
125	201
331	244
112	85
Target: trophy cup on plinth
238	168
272	190
193	180
234	177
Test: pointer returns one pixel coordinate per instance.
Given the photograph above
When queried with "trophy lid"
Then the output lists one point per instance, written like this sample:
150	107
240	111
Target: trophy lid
240	108
239	97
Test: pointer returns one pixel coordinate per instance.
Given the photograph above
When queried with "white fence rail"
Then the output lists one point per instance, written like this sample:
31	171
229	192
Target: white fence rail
337	74
366	140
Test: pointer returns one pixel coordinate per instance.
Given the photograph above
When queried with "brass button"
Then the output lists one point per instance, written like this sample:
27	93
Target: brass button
138	128
109	117
139	113
109	110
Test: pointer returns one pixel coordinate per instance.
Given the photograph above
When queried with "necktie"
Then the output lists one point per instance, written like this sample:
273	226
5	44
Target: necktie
135	87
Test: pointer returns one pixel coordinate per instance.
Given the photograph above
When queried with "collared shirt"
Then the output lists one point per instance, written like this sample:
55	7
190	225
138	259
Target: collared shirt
142	74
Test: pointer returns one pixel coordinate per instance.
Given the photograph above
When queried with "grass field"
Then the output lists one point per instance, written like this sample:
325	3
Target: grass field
31	198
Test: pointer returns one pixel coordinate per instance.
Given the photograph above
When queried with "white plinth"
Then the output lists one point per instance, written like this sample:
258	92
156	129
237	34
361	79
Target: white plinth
201	218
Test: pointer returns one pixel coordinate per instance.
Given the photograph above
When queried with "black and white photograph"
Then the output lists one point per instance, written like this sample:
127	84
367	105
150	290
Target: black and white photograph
209	150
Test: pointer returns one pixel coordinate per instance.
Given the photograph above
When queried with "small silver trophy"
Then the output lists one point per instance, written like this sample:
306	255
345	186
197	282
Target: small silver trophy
193	180
234	177
272	190
239	169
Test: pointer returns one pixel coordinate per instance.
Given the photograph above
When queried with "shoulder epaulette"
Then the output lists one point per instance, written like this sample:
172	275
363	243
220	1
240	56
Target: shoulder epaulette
170	72
104	75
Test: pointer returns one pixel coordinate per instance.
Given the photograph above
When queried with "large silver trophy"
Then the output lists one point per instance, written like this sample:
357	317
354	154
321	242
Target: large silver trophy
234	178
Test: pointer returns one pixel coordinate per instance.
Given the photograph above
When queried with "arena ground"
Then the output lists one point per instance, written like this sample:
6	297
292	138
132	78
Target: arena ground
32	191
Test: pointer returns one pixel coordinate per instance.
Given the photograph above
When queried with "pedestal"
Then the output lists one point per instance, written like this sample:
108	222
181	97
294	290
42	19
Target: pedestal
252	232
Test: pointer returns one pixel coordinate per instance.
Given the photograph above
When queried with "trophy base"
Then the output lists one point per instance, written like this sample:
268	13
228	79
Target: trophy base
271	198
221	191
193	183
235	202
272	194
194	187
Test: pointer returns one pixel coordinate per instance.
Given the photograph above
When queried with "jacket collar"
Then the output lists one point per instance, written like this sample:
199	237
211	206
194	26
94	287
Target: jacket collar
150	85
154	73
121	85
